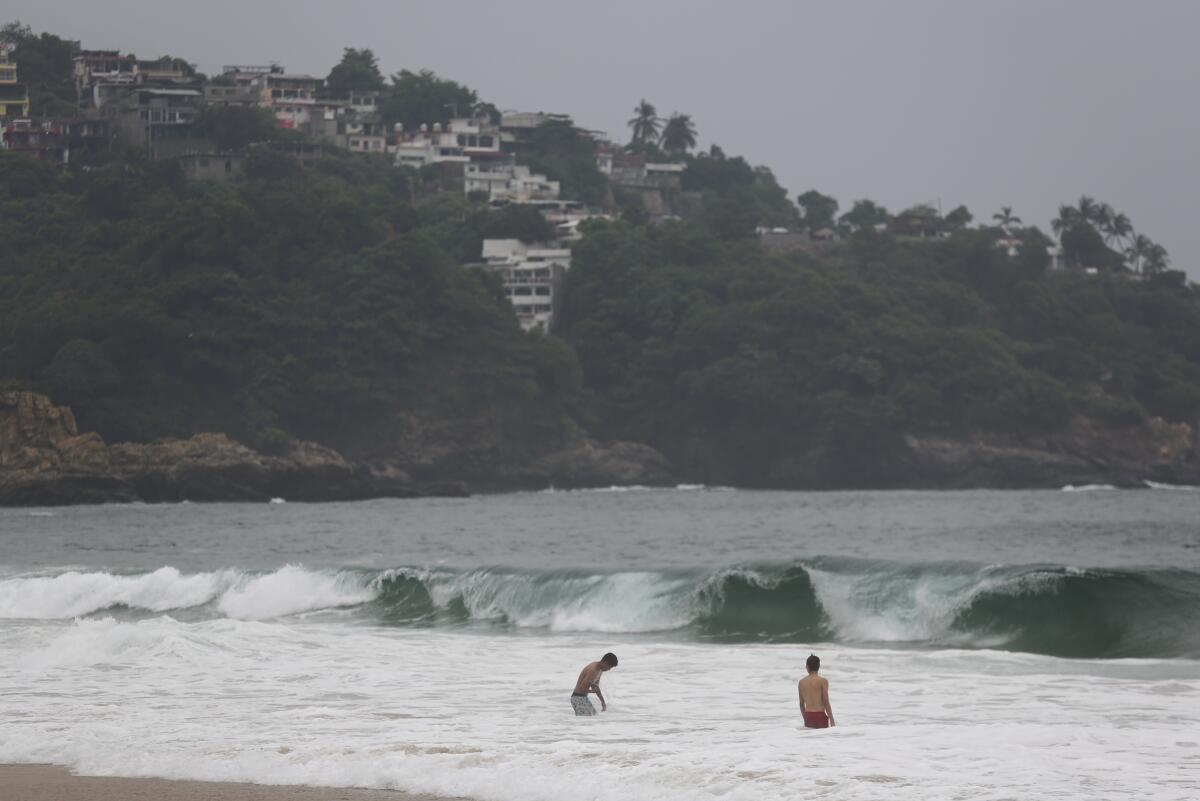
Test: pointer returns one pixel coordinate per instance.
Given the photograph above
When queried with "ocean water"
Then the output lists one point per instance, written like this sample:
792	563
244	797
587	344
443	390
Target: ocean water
979	645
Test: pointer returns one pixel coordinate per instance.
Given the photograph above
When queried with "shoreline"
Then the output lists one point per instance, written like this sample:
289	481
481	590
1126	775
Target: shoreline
42	782
1144	485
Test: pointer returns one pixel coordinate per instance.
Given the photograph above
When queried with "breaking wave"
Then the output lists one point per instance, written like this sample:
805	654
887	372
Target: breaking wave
1043	609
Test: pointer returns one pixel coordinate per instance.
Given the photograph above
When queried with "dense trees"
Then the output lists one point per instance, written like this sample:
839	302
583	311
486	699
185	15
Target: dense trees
819	210
864	214
358	71
236	127
704	347
735	197
44	65
421	98
1094	235
317	302
562	152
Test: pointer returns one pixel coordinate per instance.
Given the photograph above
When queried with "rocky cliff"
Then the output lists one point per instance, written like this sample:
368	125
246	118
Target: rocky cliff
1081	453
44	460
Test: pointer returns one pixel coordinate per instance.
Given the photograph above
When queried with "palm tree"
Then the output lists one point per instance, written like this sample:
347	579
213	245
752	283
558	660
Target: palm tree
1117	228
1157	259
679	134
645	124
1088	209
1006	217
1138	252
1068	217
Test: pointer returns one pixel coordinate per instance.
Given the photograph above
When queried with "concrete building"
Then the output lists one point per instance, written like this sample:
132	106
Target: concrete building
457	141
14	97
56	141
658	185
213	166
44	141
102	66
162	122
532	276
506	182
517	127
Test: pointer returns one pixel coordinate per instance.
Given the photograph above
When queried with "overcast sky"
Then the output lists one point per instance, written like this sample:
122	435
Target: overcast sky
1028	103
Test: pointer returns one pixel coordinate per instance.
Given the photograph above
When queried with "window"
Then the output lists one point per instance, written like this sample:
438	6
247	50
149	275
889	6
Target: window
542	290
486	141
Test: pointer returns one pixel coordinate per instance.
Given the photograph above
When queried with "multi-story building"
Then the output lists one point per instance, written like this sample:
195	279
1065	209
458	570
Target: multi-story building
532	276
14	97
162	122
459	140
45	141
506	182
102	66
517	127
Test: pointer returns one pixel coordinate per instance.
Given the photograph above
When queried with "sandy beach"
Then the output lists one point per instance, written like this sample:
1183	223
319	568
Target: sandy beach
55	783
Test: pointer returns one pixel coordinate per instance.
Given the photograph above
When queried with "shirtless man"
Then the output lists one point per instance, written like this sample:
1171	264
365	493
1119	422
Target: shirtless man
814	697
589	682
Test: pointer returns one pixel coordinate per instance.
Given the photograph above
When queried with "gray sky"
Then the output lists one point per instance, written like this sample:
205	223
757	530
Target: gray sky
1019	103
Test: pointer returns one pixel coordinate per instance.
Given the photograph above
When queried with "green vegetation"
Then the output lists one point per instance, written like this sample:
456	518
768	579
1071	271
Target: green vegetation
725	356
330	302
358	71
317	302
561	152
1095	235
44	65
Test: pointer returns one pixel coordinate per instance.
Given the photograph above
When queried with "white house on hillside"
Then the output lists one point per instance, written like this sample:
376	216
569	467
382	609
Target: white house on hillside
532	276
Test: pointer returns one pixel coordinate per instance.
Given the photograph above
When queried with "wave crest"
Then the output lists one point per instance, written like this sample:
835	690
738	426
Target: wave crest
1043	609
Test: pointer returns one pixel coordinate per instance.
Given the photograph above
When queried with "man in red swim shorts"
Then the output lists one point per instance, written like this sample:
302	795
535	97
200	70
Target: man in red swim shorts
814	697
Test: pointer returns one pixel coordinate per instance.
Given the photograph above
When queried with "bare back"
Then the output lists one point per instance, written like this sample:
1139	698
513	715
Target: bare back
814	693
588	677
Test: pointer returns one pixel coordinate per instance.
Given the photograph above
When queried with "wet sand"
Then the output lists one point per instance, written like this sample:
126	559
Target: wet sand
54	783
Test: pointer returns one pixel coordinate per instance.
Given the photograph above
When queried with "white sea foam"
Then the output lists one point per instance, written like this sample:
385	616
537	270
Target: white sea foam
74	593
461	714
616	602
287	591
1158	485
291	590
1088	487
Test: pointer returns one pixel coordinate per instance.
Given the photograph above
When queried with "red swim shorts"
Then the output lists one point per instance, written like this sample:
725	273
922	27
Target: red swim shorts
815	720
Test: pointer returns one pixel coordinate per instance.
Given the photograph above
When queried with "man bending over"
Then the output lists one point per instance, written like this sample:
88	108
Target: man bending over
814	697
589	682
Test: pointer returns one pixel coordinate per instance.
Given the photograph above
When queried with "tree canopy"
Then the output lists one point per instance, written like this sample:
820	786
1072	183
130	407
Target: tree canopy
316	302
44	65
358	71
422	98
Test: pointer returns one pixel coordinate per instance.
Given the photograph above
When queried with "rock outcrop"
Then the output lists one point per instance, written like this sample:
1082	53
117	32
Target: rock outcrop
44	460
1083	453
592	464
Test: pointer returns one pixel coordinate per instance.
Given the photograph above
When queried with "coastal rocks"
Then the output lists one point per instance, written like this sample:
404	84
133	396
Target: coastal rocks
1083	453
45	461
591	464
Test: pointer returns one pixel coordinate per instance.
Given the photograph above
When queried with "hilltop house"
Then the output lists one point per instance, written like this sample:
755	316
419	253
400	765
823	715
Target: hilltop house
45	141
506	182
14	97
532	276
162	122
